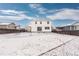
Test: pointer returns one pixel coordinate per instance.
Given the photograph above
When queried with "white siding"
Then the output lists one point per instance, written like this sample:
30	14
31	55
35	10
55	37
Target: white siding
74	26
67	28
77	27
7	26
44	24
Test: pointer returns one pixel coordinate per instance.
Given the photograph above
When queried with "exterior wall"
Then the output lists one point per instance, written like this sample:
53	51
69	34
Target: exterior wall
44	24
9	26
67	28
3	26
72	27
28	28
77	27
18	27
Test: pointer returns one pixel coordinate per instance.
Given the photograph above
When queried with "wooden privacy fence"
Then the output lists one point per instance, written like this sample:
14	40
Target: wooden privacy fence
76	32
3	31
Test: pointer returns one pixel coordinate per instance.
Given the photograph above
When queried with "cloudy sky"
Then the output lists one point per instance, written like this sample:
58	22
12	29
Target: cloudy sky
23	13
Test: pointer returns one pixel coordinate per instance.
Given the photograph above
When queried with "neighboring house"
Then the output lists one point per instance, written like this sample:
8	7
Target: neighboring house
73	26
18	27
7	26
28	28
40	26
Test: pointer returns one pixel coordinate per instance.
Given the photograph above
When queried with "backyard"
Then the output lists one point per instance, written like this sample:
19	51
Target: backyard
38	44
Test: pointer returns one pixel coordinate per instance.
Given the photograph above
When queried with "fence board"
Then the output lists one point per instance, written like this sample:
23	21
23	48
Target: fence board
76	32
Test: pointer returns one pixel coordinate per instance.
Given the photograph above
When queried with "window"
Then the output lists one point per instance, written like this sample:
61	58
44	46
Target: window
47	22
47	27
35	22
40	22
39	28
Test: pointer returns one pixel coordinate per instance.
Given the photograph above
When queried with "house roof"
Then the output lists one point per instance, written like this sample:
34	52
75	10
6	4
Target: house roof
5	23
71	24
75	23
41	19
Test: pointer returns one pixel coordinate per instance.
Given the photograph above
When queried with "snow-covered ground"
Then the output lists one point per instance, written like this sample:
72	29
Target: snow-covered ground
31	44
69	49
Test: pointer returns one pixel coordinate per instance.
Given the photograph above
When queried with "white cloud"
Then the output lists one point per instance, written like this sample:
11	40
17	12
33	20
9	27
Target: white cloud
34	5
20	17
39	8
72	14
11	12
13	15
42	10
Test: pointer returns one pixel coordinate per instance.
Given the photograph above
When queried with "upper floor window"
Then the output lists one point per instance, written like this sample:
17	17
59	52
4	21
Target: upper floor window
47	22
35	22
40	22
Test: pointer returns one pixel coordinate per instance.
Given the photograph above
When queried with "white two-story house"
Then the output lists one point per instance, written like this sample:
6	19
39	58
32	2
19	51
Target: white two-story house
40	26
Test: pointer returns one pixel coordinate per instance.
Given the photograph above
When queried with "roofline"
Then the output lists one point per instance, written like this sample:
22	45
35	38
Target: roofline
40	20
72	24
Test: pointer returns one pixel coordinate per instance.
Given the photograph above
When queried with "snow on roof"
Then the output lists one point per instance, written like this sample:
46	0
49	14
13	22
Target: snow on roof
5	23
71	24
76	23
